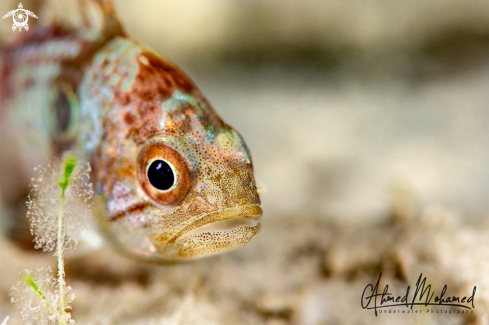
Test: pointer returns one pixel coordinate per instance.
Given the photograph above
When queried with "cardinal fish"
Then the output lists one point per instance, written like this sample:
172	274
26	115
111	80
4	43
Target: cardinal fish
172	180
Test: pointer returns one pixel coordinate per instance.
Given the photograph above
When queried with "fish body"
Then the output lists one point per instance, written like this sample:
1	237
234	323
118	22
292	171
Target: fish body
172	180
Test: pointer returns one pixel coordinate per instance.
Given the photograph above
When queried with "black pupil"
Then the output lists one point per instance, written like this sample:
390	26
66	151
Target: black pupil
160	175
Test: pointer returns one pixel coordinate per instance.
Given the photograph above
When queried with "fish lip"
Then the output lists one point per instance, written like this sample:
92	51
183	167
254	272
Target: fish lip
223	225
230	217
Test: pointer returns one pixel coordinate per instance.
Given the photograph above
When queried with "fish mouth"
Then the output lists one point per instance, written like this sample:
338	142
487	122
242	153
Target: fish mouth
222	219
218	231
224	225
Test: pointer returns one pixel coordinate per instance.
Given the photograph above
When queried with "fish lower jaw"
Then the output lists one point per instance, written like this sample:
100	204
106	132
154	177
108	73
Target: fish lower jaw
234	228
206	242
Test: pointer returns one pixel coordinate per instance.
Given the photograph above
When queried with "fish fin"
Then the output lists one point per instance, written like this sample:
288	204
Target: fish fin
92	14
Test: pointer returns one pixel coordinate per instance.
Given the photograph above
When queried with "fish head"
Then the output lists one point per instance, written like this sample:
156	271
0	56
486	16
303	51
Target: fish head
174	181
198	179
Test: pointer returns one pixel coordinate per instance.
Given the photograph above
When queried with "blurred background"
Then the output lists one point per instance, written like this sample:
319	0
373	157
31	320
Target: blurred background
339	101
343	104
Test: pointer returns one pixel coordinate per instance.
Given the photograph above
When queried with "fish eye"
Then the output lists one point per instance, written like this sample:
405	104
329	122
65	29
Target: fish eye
160	175
65	110
62	111
163	173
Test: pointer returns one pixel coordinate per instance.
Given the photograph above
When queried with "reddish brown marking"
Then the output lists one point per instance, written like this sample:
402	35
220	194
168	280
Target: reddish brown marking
144	121
9	61
39	35
154	83
72	70
138	207
158	79
124	98
129	118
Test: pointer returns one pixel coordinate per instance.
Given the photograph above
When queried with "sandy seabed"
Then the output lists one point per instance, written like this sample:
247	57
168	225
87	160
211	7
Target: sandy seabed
292	273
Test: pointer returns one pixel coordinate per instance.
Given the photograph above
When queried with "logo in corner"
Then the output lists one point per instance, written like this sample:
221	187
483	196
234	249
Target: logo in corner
20	16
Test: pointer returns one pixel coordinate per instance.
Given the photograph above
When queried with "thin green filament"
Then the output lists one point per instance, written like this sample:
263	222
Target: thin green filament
69	167
29	280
